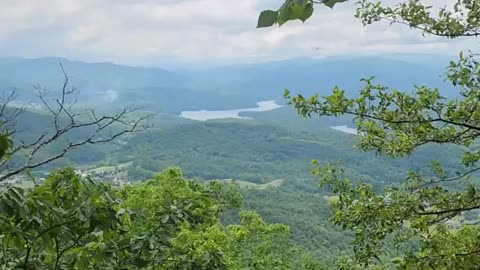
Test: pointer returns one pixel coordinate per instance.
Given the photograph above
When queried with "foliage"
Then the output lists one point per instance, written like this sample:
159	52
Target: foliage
165	204
257	151
65	223
300	206
172	223
463	19
253	244
166	223
5	144
279	147
291	10
417	212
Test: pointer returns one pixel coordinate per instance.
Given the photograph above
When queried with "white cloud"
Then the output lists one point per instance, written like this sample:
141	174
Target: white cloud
156	32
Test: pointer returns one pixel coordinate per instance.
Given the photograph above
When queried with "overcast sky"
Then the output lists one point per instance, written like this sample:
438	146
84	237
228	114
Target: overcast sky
166	32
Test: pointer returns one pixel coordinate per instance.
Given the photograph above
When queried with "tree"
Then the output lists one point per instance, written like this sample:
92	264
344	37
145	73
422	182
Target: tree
414	214
19	156
252	244
168	222
178	224
67	222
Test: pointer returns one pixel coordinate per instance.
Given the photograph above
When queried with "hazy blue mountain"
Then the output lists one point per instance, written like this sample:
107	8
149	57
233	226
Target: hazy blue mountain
319	75
102	80
222	87
94	75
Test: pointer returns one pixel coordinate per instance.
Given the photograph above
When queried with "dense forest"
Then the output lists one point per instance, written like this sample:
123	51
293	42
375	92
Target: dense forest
141	186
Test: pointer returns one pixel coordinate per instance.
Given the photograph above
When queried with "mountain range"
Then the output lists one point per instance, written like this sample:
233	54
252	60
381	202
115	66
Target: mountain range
213	88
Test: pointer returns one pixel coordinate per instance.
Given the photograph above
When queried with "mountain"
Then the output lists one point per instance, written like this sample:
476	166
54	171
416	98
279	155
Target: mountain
217	88
268	80
88	76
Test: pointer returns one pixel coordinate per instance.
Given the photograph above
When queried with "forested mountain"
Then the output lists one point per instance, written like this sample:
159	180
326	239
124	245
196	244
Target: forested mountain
260	152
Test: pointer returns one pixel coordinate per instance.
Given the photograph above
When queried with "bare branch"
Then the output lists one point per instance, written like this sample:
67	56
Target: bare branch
444	180
9	113
65	121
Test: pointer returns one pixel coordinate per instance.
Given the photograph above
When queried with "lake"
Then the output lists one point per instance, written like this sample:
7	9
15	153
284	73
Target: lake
204	115
345	129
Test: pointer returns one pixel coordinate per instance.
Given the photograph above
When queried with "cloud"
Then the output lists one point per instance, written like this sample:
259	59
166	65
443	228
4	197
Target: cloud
159	32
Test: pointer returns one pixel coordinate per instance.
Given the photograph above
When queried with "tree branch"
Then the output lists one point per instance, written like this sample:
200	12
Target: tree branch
65	122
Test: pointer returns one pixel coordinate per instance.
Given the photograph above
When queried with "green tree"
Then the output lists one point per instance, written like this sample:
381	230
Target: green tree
253	244
64	223
414	214
179	227
168	204
165	223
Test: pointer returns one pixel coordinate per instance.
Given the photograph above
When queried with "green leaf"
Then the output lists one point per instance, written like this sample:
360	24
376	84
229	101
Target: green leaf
267	18
307	12
5	144
397	260
331	3
165	218
284	14
295	10
121	211
301	11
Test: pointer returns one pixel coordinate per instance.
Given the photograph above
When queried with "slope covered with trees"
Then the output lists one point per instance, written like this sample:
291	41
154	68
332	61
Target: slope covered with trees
166	223
260	152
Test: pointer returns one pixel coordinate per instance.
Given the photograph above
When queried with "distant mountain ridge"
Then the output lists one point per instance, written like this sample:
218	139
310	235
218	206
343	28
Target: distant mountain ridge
86	75
214	88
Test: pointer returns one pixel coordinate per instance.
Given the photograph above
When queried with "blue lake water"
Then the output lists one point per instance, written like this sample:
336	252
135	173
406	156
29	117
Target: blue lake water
204	115
345	129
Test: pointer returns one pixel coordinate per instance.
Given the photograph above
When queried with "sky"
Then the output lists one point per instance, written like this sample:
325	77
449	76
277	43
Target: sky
184	32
